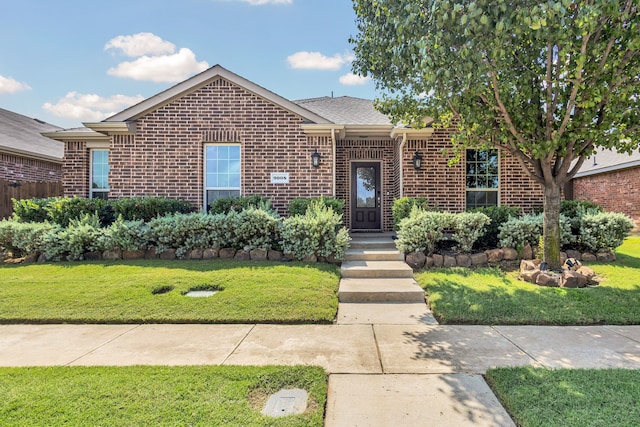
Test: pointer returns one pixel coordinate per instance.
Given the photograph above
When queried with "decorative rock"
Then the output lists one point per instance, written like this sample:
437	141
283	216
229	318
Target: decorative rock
43	258
528	265
333	260
210	253
240	255
168	254
428	262
273	255
479	259
527	252
91	256
113	254
529	275
587	272
588	257
509	254
494	255
606	256
258	254
227	253
438	260
30	258
449	261
571	264
416	260
573	254
563	256
196	254
132	254
463	260
546	279
310	258
572	279
151	253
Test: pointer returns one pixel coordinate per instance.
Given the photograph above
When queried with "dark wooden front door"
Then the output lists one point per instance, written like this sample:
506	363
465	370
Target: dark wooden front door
366	205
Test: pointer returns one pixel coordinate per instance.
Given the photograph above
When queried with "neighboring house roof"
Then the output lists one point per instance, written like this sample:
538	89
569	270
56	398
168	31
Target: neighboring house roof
21	135
604	160
345	110
202	79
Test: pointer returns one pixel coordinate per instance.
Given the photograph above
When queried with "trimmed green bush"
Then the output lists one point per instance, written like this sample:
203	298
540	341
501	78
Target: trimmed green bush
467	228
61	210
147	208
126	235
498	216
24	238
30	210
576	209
318	232
402	207
421	230
227	204
71	242
300	206
604	231
518	232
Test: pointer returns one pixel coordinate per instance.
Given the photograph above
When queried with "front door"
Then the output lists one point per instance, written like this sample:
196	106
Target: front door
366	206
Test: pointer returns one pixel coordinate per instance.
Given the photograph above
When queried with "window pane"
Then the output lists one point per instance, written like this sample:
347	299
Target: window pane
100	169
492	198
366	187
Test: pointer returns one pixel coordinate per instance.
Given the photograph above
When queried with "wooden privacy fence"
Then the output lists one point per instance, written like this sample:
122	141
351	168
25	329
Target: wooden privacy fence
24	190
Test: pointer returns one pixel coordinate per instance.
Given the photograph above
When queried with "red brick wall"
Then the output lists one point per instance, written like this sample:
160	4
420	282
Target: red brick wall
517	188
75	169
165	157
617	191
20	168
366	150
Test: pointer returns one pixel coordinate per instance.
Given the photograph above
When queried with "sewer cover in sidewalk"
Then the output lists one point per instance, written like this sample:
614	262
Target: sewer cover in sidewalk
200	294
286	402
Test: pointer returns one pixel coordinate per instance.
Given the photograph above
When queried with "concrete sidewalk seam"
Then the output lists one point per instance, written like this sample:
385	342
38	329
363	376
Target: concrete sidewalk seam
519	347
611	328
238	345
93	350
375	341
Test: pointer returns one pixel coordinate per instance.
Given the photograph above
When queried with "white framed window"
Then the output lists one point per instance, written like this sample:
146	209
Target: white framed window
483	178
99	174
222	172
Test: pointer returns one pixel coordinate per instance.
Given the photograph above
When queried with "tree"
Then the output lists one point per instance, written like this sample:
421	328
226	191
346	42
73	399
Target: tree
546	81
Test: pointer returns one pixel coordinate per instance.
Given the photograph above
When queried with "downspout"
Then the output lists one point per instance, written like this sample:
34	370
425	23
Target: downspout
333	147
404	141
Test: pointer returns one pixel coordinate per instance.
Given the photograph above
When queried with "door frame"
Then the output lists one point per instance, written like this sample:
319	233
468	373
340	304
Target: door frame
352	195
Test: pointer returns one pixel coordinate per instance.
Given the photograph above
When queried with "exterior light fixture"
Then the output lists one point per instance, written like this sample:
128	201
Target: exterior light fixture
417	160
315	159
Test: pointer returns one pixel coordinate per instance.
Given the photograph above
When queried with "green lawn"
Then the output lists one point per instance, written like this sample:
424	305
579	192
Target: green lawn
123	292
155	395
488	296
564	397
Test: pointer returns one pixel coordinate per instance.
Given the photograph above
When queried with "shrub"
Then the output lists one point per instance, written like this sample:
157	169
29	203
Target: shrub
24	238
61	210
402	207
421	230
518	232
498	216
30	210
300	206
605	230
467	227
318	232
70	243
126	235
227	204
575	210
184	231
147	208
256	228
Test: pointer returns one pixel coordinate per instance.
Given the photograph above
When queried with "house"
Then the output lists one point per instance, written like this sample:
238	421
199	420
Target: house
218	134
30	164
612	180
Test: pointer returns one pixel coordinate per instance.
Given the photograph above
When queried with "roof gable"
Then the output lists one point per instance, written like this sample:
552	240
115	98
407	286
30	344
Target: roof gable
202	79
345	110
21	135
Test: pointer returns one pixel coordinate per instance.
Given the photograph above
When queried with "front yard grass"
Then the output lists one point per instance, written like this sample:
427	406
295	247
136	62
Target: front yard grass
132	292
489	296
537	397
155	395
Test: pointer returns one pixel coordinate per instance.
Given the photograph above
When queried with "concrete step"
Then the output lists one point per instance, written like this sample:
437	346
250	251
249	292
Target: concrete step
354	290
385	313
376	269
373	255
379	242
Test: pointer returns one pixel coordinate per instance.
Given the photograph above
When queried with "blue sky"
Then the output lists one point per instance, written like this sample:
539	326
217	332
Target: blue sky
70	61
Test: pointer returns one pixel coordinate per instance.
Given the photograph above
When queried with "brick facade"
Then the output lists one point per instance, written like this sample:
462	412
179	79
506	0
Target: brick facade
517	188
75	169
617	191
20	168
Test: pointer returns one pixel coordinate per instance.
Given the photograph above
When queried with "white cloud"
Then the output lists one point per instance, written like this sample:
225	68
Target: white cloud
161	68
262	2
9	85
317	61
353	80
90	107
140	44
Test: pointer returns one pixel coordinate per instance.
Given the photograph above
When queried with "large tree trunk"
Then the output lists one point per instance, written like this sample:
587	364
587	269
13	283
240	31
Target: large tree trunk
552	199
